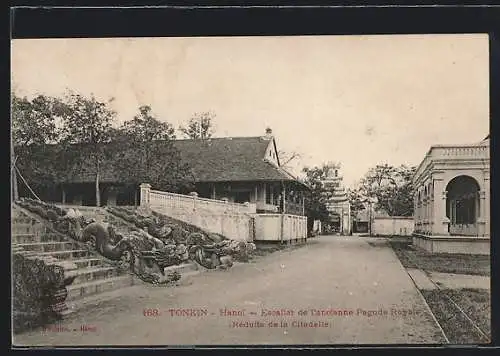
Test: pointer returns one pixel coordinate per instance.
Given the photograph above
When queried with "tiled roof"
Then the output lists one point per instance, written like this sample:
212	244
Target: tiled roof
214	160
230	159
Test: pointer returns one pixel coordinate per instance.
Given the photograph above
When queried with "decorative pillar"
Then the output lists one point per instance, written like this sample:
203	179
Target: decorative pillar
431	213
486	206
145	191
441	221
428	216
63	198
483	220
416	217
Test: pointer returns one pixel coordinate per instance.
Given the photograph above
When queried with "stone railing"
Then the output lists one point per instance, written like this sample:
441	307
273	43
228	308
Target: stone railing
231	220
481	152
464	229
452	152
168	201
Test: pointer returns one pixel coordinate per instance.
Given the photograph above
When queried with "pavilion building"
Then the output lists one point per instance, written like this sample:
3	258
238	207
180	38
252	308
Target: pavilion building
452	199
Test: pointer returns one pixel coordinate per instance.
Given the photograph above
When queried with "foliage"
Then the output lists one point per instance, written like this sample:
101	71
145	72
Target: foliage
34	129
315	199
33	122
87	123
145	127
356	200
145	154
390	187
200	126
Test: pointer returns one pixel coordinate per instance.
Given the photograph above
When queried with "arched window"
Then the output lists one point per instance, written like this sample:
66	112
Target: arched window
462	200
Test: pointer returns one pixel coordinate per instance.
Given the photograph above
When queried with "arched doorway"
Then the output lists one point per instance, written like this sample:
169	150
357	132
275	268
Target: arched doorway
462	205
332	226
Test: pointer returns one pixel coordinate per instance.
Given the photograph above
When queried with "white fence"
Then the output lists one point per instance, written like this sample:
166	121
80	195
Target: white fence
232	220
167	200
280	227
235	221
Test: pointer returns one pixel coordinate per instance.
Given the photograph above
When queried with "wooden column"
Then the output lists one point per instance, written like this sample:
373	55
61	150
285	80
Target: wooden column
283	194
303	205
213	191
283	191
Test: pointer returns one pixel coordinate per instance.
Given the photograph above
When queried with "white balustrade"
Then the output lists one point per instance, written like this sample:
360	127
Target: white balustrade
172	201
452	152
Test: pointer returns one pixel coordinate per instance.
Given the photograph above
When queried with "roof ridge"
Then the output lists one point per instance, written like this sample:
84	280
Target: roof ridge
221	138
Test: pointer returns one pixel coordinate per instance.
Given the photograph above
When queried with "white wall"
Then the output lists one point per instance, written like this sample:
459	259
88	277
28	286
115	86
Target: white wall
268	227
395	225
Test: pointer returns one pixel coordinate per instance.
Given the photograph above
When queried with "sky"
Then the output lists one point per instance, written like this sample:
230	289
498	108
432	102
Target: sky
357	100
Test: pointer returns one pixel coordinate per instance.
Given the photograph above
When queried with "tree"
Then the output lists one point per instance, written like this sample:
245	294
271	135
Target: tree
390	187
33	122
145	154
287	158
144	127
315	199
34	126
88	128
200	126
356	200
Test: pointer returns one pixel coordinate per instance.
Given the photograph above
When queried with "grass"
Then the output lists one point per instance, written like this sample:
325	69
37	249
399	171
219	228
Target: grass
440	262
474	302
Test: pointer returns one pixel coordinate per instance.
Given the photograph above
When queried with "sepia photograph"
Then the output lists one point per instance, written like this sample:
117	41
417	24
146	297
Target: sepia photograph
250	190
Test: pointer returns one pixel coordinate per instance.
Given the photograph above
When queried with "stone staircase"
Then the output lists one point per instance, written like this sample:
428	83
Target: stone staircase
125	228
33	238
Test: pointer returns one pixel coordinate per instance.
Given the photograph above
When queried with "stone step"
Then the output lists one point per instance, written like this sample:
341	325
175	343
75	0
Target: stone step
183	268
23	228
88	262
49	246
22	219
24	238
88	274
67	265
79	291
61	255
34	238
